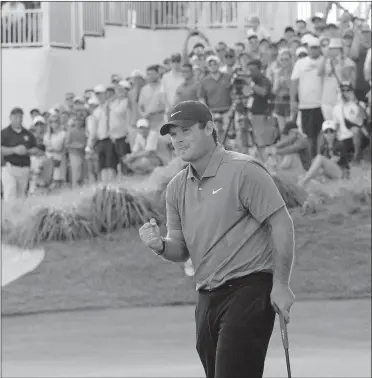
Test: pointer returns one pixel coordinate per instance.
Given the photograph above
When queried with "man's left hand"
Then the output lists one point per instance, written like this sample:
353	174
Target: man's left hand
282	299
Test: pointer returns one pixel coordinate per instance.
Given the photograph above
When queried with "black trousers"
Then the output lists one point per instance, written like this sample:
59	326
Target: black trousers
312	120
234	324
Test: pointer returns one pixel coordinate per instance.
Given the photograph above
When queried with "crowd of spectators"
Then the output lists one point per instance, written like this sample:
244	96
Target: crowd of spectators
304	109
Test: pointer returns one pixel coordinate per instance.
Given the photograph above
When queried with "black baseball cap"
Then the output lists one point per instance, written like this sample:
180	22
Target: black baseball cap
16	110
186	114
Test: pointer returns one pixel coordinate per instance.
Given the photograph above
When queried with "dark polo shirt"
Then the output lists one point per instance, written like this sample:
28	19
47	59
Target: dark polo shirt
222	217
10	138
216	93
261	103
188	91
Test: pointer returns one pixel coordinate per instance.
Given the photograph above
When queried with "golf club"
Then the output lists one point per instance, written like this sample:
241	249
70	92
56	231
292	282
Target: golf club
284	333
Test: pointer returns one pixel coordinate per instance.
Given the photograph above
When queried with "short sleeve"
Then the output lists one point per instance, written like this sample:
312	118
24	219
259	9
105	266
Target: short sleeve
259	193
296	70
4	139
173	215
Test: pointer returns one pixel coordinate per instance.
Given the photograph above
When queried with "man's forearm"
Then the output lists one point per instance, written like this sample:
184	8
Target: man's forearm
175	250
5	151
283	250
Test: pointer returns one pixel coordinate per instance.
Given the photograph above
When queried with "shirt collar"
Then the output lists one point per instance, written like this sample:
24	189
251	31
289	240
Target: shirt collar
213	165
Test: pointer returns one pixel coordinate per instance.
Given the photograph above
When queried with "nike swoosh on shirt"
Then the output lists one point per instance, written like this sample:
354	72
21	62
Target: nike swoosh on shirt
216	191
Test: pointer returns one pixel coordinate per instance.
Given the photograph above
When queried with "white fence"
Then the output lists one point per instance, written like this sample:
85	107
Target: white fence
64	24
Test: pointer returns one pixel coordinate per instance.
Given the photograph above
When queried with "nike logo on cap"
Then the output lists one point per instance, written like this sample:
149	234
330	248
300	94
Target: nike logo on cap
175	113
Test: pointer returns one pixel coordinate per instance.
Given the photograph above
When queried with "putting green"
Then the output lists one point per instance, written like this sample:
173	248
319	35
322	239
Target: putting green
327	339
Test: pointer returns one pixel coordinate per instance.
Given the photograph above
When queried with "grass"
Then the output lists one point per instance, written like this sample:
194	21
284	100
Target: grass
333	249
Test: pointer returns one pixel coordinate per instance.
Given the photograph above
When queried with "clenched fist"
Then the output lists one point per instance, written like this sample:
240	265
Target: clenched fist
150	235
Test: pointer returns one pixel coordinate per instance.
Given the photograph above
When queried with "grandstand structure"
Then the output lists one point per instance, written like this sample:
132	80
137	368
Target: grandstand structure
69	46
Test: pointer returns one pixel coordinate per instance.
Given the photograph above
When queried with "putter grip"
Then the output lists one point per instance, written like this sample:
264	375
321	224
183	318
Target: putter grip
283	331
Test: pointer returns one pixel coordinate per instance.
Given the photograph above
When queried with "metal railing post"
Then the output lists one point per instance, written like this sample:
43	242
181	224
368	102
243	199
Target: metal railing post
45	24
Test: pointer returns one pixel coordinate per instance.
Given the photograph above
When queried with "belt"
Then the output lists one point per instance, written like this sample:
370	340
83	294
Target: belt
235	282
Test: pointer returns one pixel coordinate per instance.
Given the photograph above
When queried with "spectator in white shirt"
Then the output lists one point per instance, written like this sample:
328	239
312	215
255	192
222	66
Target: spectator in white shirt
151	104
367	67
144	157
254	26
171	81
307	87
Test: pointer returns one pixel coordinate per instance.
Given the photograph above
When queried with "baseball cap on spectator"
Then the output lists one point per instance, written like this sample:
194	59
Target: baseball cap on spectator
124	84
38	119
329	125
314	42
136	73
16	110
295	39
301	50
317	16
335	43
209	52
187	114
176	58
115	78
306	39
79	99
290	125
331	26
143	122
230	53
251	35
283	51
198	45
213	58
99	88
34	110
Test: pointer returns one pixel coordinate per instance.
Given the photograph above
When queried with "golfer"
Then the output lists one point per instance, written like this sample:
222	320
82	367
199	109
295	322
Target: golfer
226	213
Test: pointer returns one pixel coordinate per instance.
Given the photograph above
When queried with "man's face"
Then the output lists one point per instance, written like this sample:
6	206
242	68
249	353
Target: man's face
253	43
221	50
239	49
34	114
78	105
121	91
334	53
324	46
253	71
230	59
300	26
333	32
264	47
101	97
366	38
69	99
199	51
176	64
39	130
273	53
110	93
88	94
152	76
64	116
213	66
289	34
254	23
16	119
315	52
189	142
294	45
144	131
187	73
347	41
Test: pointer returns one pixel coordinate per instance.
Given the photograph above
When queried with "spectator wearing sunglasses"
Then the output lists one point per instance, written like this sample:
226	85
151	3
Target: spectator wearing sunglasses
332	160
171	81
230	60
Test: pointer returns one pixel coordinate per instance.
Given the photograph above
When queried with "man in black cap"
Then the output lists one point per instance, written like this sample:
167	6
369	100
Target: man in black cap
226	213
17	144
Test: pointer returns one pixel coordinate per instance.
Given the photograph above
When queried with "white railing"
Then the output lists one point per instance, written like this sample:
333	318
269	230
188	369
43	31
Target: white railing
93	17
22	28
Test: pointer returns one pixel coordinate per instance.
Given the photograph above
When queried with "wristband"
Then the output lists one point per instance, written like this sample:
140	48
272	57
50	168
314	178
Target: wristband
162	250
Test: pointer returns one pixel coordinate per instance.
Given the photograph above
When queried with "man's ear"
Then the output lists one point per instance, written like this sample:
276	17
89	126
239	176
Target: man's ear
209	128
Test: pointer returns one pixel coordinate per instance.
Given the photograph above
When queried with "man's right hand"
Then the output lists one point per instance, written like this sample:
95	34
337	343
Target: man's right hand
20	150
150	235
